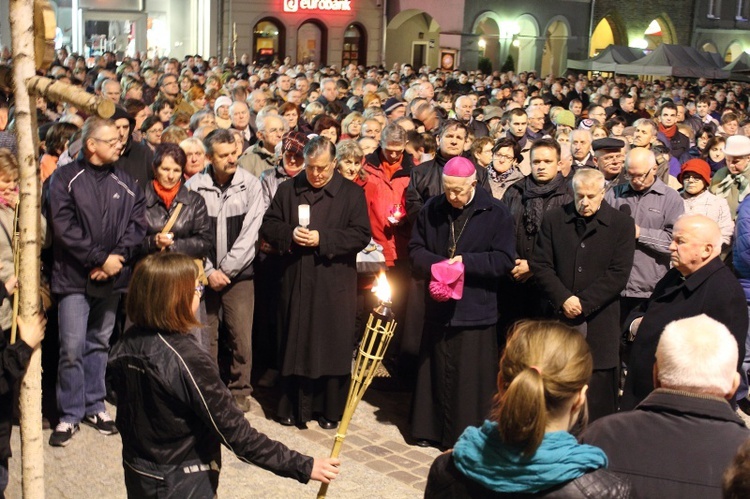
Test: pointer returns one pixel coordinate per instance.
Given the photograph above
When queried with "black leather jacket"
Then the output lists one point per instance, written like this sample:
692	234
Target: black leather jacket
445	481
192	230
173	408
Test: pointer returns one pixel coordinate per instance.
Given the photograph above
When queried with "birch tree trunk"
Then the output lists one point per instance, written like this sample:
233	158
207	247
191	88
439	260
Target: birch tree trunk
22	35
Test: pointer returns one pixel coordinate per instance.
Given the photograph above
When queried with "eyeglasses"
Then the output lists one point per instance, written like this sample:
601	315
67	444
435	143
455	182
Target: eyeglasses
638	178
504	157
110	142
199	289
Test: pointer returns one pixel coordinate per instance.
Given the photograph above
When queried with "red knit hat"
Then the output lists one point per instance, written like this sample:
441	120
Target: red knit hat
698	166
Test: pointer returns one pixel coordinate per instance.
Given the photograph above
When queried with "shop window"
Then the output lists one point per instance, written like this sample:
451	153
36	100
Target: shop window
268	41
355	46
312	43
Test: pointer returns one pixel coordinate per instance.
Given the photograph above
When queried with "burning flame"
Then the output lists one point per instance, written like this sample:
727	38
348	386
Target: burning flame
382	289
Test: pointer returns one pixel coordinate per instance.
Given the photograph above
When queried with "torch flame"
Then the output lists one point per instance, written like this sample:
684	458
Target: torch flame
382	289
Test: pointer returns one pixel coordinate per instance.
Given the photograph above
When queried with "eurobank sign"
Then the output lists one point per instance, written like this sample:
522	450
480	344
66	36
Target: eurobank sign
298	5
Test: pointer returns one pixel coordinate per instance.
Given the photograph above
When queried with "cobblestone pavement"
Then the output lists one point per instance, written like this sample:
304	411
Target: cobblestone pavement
376	461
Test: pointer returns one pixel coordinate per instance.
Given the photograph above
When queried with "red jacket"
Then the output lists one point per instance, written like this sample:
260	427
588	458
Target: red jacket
382	195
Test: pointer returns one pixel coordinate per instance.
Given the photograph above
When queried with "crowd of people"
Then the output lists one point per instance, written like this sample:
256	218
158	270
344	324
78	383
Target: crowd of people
560	250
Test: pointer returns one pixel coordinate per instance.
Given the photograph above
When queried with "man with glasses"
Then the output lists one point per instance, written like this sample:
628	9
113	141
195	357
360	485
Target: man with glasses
97	215
655	208
169	90
609	158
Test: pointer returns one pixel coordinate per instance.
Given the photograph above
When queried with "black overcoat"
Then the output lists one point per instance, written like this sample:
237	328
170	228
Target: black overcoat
594	267
317	305
712	290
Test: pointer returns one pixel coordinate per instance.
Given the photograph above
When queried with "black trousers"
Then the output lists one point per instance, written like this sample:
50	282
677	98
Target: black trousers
191	479
603	393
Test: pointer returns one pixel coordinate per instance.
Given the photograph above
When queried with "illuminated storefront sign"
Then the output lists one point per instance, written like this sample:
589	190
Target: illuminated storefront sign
297	5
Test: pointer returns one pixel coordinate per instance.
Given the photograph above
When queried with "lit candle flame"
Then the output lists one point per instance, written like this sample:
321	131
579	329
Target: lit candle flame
382	289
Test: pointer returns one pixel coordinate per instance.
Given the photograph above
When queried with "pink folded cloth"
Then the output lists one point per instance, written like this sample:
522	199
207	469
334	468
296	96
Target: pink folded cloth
447	281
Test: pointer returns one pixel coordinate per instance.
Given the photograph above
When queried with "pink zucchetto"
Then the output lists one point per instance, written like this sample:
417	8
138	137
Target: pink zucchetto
459	167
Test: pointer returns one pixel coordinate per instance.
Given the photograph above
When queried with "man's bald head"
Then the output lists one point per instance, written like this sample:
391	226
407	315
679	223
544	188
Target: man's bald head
705	229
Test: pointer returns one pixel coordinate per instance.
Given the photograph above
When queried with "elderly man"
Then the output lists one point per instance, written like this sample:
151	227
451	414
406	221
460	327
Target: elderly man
239	113
697	283
733	181
235	206
655	208
464	107
679	440
458	357
536	118
580	148
262	155
582	261
111	90
318	286
609	159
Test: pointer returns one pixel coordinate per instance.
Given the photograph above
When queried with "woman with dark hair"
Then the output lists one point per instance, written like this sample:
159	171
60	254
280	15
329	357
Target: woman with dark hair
290	112
56	143
173	410
503	170
714	155
526	448
152	130
327	127
701	141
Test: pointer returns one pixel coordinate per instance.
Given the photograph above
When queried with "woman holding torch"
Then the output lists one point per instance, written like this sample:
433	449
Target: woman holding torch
173	410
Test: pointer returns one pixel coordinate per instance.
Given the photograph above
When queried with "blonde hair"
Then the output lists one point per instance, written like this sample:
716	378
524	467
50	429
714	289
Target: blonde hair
544	365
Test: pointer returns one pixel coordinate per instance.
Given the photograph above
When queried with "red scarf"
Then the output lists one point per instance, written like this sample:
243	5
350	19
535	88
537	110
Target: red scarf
166	195
669	132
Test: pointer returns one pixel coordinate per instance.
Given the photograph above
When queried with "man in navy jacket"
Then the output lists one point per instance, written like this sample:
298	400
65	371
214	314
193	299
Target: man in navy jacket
97	216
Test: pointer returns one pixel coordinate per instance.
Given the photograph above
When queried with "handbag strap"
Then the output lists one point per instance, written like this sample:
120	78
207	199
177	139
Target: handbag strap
172	219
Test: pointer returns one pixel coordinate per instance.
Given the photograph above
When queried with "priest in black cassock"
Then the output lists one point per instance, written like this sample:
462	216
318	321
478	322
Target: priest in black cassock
317	305
458	358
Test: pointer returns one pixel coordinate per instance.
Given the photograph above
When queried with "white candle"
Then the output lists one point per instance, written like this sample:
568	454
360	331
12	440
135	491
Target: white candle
303	213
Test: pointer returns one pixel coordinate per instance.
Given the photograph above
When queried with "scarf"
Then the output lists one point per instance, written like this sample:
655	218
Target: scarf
166	195
724	188
533	201
498	177
669	132
483	457
716	165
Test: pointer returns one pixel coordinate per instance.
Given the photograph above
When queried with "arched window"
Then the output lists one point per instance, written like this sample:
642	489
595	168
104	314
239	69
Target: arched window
312	43
269	36
355	46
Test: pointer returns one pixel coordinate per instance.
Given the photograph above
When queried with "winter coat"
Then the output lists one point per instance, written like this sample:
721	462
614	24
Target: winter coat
256	159
486	245
674	445
317	305
93	212
594	267
712	290
192	230
382	194
741	252
235	215
715	208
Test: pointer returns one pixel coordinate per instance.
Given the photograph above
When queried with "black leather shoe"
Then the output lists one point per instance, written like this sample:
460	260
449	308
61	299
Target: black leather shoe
287	421
327	424
424	443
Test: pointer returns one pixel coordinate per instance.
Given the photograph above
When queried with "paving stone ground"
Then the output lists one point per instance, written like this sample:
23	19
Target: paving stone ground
377	462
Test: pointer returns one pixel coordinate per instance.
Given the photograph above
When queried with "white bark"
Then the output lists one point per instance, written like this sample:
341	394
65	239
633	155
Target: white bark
22	35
